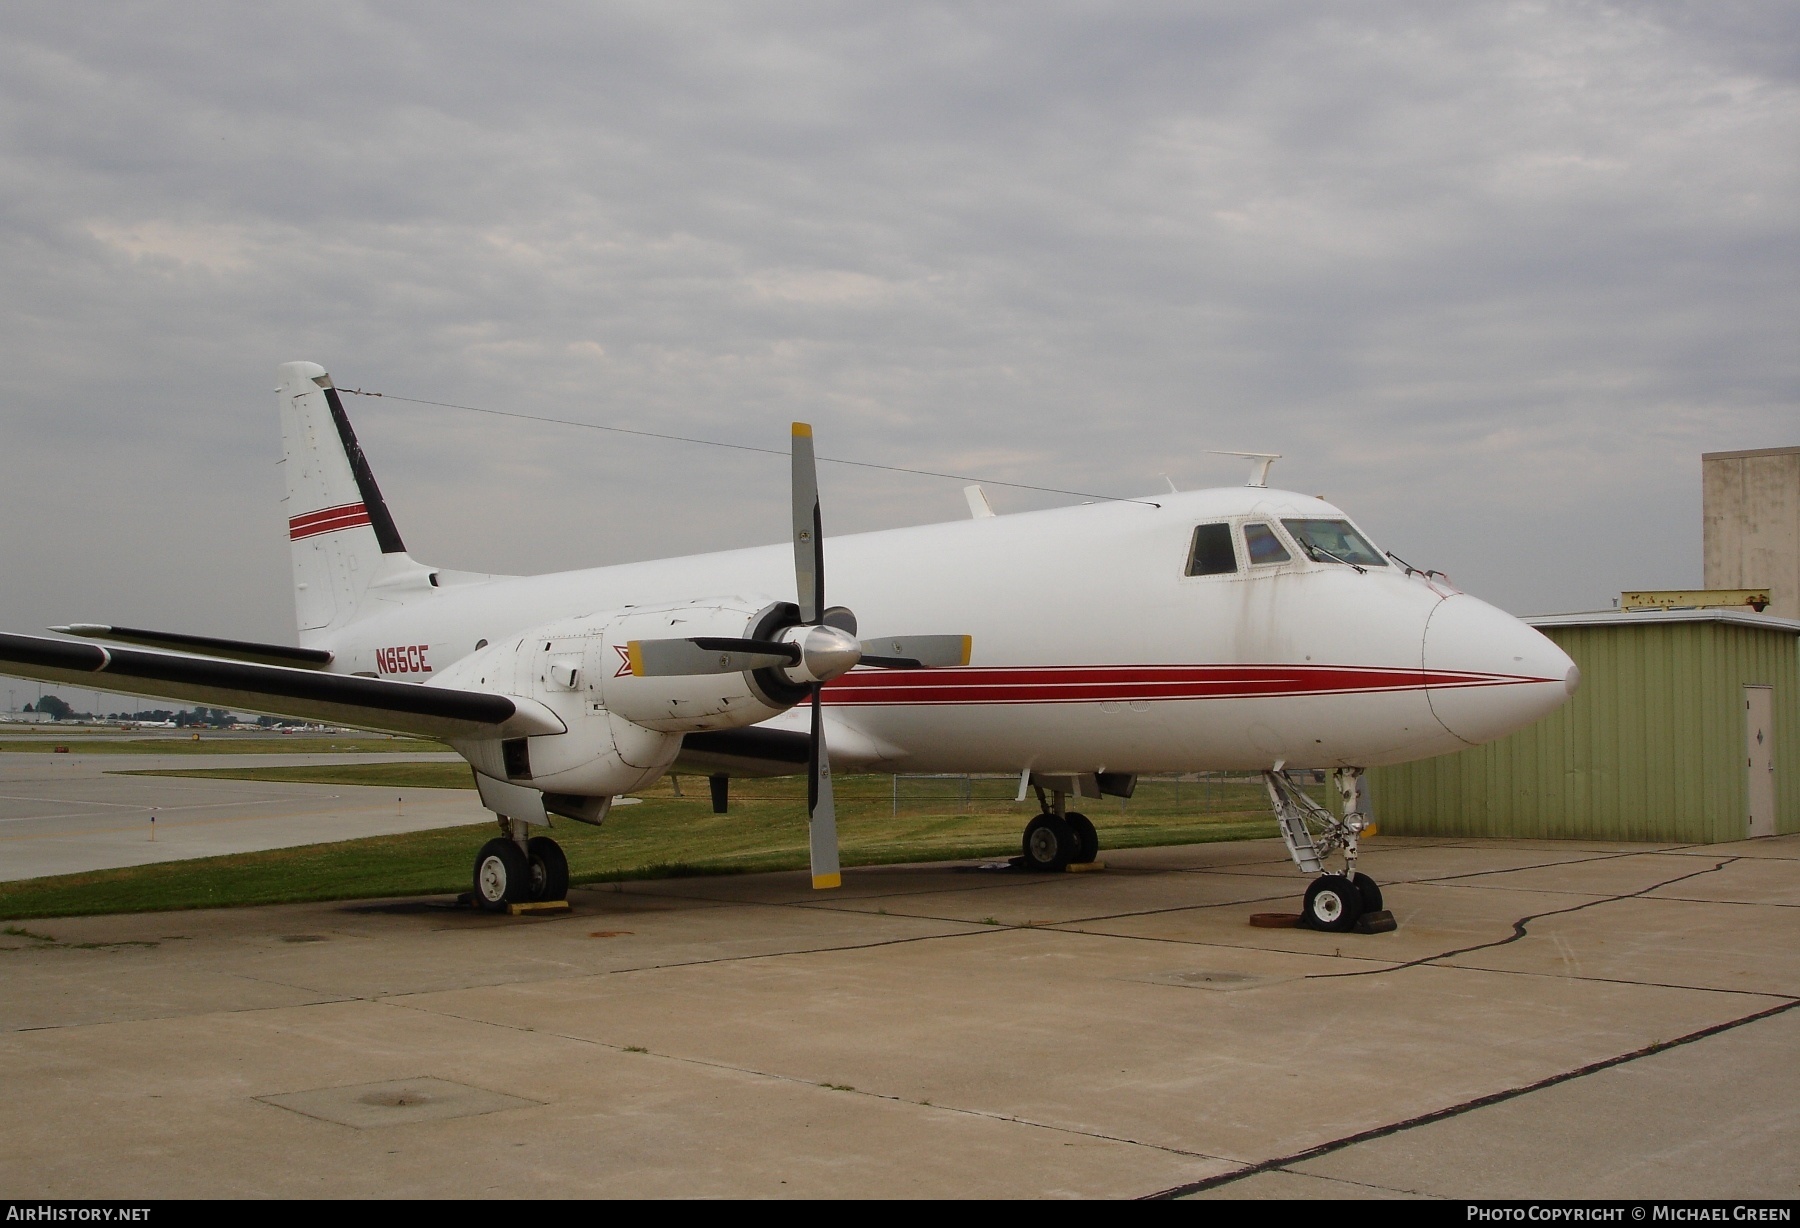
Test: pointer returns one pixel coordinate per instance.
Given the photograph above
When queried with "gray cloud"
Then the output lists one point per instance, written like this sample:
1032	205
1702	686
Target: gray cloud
1490	276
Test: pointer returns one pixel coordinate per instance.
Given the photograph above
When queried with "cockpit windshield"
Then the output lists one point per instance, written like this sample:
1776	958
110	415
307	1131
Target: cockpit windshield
1329	541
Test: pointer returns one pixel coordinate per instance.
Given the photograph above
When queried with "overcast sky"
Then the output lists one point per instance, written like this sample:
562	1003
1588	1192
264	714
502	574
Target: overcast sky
1490	276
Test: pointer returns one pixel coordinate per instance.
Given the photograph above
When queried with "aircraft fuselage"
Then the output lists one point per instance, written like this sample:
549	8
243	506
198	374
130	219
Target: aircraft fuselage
1093	649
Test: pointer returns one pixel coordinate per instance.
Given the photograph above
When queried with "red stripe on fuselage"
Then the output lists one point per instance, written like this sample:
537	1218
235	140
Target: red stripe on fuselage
1121	683
328	520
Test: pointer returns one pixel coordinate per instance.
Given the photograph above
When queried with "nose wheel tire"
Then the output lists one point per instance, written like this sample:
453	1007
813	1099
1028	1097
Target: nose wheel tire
549	869
1371	894
502	875
1087	840
1333	903
1049	843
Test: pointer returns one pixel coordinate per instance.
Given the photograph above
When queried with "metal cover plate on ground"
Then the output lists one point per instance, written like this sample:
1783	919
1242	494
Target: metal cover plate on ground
368	1106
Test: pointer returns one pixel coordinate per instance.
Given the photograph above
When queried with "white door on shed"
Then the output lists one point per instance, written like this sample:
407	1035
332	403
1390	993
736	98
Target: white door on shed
1759	741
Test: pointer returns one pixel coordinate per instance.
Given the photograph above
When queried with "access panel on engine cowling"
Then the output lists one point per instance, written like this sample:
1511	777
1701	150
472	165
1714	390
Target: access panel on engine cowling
682	703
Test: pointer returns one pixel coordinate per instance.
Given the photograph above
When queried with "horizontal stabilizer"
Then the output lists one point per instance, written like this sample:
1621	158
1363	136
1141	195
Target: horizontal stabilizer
231	650
368	703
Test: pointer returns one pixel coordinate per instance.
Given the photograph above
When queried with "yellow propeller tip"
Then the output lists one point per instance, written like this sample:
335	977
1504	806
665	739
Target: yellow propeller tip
634	656
824	882
803	430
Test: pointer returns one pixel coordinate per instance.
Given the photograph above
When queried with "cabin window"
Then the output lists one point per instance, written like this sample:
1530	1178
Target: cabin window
1334	541
1213	554
1263	545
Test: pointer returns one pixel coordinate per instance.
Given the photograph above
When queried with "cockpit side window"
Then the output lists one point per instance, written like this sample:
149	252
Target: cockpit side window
1334	541
1263	545
1213	554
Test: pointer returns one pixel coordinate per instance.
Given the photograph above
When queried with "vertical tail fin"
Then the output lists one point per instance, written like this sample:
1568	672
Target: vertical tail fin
342	537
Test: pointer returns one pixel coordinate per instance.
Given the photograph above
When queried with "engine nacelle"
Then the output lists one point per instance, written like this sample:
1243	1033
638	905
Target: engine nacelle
622	732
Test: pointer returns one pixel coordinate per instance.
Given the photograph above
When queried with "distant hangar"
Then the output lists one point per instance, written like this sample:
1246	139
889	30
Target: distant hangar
1686	726
1679	731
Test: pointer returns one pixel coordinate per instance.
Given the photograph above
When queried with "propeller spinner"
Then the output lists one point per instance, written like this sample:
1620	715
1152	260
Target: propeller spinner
820	647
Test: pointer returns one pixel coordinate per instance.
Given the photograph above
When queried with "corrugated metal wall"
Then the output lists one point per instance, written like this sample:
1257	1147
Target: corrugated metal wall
1650	748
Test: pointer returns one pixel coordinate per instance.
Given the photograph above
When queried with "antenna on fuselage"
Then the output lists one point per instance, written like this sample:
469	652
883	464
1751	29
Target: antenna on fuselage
1259	476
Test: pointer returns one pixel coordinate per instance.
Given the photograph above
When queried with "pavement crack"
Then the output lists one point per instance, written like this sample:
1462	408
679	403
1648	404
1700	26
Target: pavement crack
1066	926
1520	927
1624	980
1541	865
797	1081
1287	1162
1361	1185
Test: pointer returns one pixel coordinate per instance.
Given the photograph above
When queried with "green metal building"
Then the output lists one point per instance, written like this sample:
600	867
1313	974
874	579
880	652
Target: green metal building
1686	728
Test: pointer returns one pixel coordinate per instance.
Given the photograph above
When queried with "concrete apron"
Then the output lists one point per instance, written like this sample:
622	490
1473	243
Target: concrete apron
933	1031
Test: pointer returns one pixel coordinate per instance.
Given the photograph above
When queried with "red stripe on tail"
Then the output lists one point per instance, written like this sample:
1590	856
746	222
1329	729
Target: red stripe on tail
328	520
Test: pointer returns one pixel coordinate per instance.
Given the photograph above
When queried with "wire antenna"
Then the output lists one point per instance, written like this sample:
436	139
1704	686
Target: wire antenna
744	447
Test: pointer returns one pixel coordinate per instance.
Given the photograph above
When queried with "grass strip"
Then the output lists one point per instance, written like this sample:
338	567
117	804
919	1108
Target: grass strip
664	836
220	745
404	775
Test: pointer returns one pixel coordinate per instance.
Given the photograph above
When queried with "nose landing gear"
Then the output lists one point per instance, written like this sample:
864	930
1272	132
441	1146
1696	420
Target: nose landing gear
1057	839
1336	903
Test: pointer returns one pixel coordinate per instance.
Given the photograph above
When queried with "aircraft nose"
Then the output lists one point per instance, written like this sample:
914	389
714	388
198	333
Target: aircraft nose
1487	673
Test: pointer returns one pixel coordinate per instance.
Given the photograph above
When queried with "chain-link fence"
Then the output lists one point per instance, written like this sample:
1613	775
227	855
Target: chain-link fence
1221	793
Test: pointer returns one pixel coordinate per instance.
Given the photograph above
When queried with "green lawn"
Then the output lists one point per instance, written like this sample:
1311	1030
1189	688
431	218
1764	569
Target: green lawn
663	836
220	744
401	775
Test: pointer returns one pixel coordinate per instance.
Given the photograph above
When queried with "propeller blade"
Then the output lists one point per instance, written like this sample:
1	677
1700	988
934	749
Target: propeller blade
917	651
705	655
820	809
809	544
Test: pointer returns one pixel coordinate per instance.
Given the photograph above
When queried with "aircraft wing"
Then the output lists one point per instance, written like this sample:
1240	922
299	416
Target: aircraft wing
755	751
305	694
205	645
782	746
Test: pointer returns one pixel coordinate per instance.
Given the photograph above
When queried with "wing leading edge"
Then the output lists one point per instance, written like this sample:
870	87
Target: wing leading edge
305	694
205	645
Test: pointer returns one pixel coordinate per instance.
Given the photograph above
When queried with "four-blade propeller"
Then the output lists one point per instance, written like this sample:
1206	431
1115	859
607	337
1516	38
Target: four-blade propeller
820	647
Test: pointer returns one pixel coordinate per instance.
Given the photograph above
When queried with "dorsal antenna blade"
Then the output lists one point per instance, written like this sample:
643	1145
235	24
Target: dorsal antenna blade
1259	473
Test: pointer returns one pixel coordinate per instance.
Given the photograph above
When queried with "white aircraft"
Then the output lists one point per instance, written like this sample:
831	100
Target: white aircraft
1240	628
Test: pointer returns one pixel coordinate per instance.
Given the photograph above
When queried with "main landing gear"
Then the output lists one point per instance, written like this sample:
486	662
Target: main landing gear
1057	839
1336	903
519	868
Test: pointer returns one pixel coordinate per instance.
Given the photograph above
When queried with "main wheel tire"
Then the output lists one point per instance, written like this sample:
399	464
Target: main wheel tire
549	869
1333	903
502	875
1371	894
1049	843
1087	840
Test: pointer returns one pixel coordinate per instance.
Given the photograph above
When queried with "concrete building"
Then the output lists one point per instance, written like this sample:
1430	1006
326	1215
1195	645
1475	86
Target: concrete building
1686	727
1751	503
